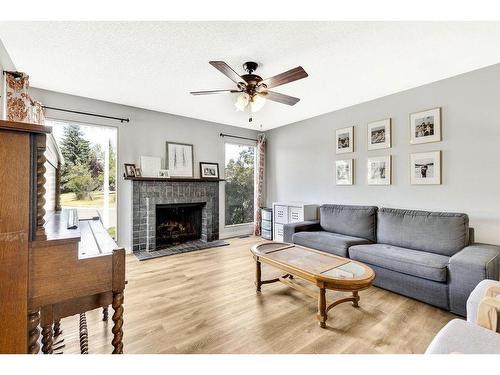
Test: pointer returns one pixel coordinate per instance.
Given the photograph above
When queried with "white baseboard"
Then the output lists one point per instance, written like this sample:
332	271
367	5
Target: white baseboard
235	231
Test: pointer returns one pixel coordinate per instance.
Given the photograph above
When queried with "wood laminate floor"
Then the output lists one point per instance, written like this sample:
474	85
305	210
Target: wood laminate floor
205	302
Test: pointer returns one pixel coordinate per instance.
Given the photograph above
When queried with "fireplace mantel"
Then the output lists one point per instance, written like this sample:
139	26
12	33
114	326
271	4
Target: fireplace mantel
174	179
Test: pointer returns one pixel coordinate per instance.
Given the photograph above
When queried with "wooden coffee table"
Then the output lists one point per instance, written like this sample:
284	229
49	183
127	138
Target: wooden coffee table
325	270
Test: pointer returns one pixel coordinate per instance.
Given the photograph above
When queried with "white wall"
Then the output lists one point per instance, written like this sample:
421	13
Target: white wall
301	156
146	134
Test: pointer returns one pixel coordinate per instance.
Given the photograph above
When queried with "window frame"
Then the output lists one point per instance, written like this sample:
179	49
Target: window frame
87	123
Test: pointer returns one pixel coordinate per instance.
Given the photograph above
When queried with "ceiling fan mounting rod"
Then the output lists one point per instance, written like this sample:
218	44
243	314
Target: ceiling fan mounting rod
250	66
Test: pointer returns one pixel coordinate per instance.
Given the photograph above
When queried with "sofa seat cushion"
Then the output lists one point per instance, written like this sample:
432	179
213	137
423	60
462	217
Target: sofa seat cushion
328	242
411	262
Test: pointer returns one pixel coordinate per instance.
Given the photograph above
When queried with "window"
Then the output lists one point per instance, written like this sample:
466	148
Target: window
88	173
239	175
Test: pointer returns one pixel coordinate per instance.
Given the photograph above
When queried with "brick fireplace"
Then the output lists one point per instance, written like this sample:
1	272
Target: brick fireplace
169	212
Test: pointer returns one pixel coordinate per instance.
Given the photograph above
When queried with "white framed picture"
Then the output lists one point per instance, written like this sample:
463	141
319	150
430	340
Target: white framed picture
180	159
425	168
344	140
425	126
150	165
163	173
344	172
379	170
379	134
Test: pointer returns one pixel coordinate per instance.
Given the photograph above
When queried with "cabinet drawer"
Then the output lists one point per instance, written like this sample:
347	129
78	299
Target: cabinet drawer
278	232
267	215
267	234
281	214
295	214
267	225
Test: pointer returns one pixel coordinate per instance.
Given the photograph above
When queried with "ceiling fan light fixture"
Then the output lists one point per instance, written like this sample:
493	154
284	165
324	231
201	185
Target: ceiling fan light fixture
257	102
242	101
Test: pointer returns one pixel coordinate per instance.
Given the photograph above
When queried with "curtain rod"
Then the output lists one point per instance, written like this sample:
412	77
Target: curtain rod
122	120
236	136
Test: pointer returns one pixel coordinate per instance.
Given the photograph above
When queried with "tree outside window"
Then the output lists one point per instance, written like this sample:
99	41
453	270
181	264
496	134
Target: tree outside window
239	186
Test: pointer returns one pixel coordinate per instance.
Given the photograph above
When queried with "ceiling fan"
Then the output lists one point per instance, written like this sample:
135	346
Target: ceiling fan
253	89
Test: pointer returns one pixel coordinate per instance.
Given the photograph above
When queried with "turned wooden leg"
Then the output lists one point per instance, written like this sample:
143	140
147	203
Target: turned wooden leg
84	335
58	343
57	328
118	323
47	339
322	316
33	332
356	299
105	314
258	276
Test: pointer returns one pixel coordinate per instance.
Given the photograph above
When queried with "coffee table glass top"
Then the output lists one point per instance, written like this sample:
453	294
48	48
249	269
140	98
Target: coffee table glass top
349	270
312	261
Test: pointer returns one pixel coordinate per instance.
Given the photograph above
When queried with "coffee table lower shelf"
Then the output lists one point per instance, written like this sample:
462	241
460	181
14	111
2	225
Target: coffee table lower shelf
320	296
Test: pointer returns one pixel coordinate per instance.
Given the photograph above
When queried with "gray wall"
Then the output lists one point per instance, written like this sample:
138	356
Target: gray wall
301	156
146	135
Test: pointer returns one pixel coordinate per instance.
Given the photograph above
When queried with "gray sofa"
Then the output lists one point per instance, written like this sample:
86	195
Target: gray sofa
429	256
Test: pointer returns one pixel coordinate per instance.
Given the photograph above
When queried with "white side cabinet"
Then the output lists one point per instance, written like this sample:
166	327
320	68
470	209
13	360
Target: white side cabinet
291	212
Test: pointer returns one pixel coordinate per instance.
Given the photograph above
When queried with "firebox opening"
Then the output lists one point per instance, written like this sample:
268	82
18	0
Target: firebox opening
178	223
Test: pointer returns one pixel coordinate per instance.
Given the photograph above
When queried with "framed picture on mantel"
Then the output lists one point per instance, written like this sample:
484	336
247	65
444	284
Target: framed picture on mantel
180	161
209	171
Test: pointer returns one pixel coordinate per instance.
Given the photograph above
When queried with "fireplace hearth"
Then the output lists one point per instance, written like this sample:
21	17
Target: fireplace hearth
178	223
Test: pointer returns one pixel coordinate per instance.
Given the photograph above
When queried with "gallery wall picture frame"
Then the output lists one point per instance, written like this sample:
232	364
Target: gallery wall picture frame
180	160
379	134
129	170
425	168
344	172
138	172
379	170
344	140
425	126
209	171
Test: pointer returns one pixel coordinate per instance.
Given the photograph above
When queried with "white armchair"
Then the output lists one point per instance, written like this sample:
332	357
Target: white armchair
480	333
483	305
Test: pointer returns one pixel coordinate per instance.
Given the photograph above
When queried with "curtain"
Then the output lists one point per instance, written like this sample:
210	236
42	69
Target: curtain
260	172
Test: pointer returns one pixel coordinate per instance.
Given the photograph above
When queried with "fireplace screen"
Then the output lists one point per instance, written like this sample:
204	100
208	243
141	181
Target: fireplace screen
178	223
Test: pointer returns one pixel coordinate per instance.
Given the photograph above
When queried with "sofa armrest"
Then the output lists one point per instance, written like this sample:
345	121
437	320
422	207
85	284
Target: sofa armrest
468	268
303	226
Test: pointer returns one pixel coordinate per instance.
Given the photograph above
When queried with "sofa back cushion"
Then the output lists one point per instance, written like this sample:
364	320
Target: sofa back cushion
443	233
356	221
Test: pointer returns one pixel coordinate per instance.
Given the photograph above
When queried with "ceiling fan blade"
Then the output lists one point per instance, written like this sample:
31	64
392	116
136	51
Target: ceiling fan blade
213	92
280	98
286	77
225	69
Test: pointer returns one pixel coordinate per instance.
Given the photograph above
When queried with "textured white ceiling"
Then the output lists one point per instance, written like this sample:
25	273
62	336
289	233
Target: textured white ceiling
154	65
